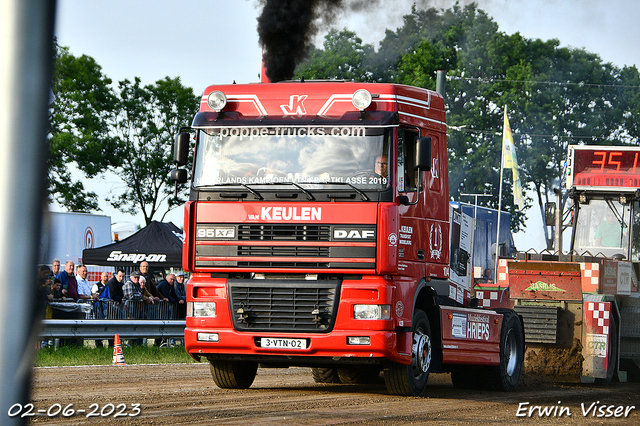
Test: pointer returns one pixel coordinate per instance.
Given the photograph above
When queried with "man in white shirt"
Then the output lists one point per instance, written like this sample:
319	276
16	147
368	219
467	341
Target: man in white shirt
84	288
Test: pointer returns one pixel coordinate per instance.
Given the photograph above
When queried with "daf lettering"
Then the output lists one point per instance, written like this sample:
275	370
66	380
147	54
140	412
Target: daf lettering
353	234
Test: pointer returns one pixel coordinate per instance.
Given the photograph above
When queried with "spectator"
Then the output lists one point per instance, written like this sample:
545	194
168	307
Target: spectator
43	275
146	296
181	294
180	287
84	288
55	268
166	288
100	285
43	282
134	292
131	289
54	290
151	285
68	280
113	288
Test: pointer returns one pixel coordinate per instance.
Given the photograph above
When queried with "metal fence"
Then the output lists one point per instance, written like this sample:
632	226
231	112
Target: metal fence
102	319
112	310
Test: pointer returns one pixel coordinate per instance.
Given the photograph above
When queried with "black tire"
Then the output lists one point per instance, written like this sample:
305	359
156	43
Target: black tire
411	380
506	375
233	374
325	375
612	361
465	377
358	375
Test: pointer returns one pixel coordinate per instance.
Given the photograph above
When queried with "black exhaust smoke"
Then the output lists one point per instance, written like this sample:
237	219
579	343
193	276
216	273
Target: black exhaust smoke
285	28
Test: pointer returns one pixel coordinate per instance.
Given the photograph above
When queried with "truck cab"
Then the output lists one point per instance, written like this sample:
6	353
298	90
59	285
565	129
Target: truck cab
318	234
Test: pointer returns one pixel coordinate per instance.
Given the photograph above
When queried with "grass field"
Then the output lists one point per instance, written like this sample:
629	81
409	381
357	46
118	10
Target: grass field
89	355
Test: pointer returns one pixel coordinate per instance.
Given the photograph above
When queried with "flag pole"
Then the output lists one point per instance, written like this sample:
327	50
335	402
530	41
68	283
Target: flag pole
495	280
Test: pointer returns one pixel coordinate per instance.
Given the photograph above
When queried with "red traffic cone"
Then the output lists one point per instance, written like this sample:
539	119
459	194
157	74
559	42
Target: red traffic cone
118	356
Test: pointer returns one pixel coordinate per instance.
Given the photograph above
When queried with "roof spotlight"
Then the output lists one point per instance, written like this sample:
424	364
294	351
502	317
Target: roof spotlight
216	100
361	99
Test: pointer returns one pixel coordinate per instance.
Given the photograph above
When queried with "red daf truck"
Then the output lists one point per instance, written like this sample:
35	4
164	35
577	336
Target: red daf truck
581	307
318	234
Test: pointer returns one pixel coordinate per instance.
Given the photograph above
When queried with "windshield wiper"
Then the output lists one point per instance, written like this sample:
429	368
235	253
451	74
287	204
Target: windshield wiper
362	194
245	186
309	195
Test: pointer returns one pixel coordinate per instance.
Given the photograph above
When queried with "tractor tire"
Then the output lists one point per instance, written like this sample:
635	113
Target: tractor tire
233	374
411	380
325	375
506	375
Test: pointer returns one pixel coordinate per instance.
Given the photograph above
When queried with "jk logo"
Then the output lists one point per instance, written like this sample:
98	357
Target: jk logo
296	105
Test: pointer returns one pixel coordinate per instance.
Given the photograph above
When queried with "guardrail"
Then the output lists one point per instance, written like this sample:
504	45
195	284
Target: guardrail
107	329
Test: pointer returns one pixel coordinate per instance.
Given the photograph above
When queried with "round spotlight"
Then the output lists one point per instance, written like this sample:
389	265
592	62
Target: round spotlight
216	100
361	99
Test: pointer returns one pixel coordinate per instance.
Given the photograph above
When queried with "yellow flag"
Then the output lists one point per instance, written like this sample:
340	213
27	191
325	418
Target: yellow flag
510	160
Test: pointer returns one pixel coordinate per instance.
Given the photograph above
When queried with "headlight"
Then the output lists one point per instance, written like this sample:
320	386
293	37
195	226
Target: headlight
208	337
361	99
372	312
201	309
217	100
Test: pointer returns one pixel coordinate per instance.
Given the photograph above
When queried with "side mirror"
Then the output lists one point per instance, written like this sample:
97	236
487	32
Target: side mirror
181	149
178	176
423	154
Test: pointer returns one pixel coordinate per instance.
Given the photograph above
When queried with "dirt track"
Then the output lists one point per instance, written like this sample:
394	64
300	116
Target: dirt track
185	394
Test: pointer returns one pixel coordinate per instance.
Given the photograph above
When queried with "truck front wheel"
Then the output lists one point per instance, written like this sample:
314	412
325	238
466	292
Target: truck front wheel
233	374
411	380
506	376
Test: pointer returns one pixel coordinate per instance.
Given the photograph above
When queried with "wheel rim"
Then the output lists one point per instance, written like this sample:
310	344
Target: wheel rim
421	353
511	352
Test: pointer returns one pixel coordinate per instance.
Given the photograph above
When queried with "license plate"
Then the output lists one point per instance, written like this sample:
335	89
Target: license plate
267	342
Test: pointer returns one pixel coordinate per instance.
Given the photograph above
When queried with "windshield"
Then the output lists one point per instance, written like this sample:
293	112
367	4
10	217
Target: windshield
301	155
603	227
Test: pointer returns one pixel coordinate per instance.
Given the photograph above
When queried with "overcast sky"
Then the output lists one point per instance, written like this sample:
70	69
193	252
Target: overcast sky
215	41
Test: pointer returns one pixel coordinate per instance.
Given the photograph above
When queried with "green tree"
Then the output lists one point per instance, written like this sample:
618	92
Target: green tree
555	97
342	58
145	121
80	143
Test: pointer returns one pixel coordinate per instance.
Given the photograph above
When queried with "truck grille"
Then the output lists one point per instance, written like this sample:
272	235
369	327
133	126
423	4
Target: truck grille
293	306
295	251
284	232
290	246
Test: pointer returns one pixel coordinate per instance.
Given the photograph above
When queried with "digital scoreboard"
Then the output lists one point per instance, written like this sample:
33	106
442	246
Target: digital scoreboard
604	167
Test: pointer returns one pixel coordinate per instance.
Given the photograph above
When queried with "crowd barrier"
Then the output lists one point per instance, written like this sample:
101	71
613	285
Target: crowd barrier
110	309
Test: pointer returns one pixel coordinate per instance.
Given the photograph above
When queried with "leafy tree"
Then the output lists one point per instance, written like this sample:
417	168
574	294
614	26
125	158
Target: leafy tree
129	131
555	97
145	121
342	58
80	142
